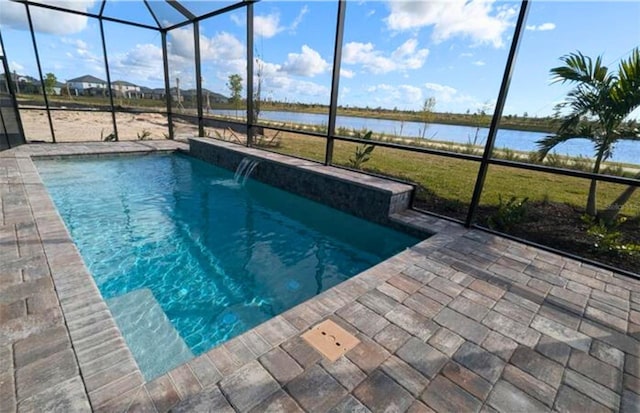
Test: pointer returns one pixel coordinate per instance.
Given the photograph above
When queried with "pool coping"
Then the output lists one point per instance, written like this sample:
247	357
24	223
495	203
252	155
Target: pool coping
95	338
99	347
112	381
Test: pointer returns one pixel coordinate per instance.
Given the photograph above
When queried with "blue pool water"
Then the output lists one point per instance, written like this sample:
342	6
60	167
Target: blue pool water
186	259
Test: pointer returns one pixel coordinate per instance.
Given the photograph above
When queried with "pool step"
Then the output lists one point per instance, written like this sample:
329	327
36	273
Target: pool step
152	339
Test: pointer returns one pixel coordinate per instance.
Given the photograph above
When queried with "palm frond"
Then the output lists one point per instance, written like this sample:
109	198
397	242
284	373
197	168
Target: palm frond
625	93
598	106
606	147
546	144
582	101
628	132
581	69
570	123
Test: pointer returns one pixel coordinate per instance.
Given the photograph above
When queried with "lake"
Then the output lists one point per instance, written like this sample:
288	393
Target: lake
625	151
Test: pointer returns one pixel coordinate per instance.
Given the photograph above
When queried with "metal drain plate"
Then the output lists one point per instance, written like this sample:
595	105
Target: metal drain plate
330	340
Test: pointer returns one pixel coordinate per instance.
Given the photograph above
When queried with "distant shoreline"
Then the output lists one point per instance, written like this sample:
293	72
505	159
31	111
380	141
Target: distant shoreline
543	125
475	120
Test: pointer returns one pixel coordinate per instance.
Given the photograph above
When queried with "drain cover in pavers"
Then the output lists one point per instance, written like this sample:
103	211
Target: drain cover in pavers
330	340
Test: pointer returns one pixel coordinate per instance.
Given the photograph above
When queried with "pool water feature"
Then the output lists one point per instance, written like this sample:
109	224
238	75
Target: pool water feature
244	169
186	259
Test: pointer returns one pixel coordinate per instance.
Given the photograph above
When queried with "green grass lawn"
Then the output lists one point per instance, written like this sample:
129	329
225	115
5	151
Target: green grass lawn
453	179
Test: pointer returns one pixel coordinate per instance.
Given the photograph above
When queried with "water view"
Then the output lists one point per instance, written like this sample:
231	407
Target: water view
625	151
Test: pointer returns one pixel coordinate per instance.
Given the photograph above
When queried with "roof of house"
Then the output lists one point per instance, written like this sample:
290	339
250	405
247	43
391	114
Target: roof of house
86	79
22	78
193	92
123	83
29	79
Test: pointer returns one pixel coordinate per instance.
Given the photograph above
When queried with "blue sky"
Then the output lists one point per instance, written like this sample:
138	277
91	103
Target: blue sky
395	54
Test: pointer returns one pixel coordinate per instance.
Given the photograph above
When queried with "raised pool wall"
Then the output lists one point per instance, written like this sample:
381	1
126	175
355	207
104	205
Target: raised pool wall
364	196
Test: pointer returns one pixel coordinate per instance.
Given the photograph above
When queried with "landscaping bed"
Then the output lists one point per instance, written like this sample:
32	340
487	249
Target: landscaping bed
552	224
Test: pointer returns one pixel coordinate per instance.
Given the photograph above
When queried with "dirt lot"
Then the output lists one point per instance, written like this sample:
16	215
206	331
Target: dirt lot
82	126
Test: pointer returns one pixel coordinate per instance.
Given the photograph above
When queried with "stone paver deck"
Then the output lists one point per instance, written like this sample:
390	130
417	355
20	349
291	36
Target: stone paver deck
463	321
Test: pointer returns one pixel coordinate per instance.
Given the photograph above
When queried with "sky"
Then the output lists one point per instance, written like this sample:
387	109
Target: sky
395	54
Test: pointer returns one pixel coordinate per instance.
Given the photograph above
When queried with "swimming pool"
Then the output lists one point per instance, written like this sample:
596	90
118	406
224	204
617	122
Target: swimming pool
186	258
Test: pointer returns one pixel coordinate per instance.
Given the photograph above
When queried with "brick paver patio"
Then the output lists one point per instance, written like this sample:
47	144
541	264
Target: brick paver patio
464	321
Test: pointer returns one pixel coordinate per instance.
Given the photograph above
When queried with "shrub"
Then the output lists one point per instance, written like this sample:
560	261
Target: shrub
555	160
363	152
608	238
144	135
109	138
508	214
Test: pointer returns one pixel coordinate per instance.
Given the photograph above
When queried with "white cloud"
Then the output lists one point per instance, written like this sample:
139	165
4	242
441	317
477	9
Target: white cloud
541	27
267	26
88	57
478	63
17	67
44	20
139	64
478	20
450	98
411	93
278	84
443	92
466	55
222	46
289	87
346	73
268	69
80	44
81	55
223	50
239	21
181	43
404	96
546	26
309	63
407	56
296	22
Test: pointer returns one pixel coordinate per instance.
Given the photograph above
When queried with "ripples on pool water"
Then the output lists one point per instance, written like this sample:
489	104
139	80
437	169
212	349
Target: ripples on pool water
187	259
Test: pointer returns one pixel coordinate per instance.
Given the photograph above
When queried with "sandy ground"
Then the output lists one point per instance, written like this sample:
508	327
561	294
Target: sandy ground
93	126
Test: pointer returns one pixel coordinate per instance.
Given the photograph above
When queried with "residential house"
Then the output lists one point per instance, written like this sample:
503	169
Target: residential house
208	96
154	94
58	88
22	84
126	90
87	85
159	93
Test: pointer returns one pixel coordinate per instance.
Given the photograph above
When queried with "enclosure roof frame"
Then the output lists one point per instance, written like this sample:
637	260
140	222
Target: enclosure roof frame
189	17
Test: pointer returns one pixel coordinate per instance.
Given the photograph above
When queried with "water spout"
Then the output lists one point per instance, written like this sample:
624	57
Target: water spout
244	169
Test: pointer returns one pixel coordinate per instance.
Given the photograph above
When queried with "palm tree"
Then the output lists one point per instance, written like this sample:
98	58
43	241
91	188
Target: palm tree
598	108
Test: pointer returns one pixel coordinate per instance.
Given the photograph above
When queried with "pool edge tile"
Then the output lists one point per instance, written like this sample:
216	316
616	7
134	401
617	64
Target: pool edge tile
61	255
